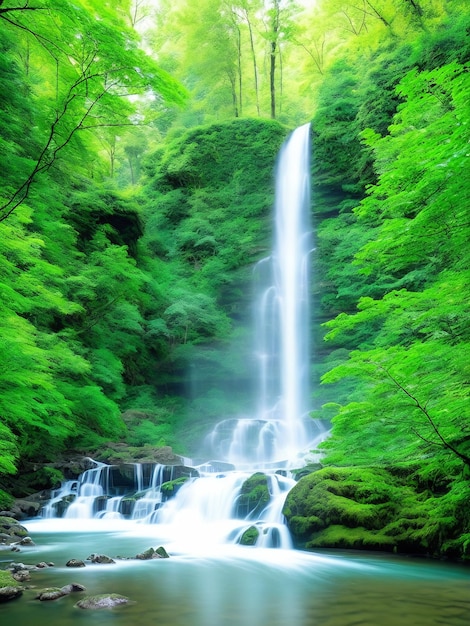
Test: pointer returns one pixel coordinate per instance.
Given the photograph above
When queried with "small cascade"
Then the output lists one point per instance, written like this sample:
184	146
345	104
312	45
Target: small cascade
129	491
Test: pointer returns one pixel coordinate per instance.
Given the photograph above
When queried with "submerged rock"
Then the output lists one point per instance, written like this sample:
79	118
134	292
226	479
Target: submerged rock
100	558
161	553
150	553
102	601
75	563
54	593
51	593
146	555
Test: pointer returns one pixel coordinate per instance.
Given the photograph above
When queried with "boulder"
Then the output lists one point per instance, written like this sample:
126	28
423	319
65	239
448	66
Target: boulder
102	601
75	563
254	495
100	558
54	593
22	576
10	593
161	553
51	593
249	536
11	531
146	555
150	553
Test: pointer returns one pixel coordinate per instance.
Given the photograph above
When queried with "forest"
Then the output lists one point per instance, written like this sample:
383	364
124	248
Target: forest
138	141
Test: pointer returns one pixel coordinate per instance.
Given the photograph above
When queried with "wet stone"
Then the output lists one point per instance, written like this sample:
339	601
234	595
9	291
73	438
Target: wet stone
75	563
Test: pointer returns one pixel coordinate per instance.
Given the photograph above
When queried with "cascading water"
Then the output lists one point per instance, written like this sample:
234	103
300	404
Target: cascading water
281	429
217	502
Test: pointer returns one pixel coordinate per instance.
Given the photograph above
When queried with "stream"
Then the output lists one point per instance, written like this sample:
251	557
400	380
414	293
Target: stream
228	585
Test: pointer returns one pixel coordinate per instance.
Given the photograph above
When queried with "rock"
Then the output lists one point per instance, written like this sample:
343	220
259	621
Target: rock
150	553
73	588
26	541
147	554
102	601
100	558
22	508
11	531
51	593
42	565
75	563
16	567
10	593
170	488
162	553
54	593
249	537
254	495
22	576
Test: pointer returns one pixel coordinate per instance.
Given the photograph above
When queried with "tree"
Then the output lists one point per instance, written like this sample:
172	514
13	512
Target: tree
96	64
408	345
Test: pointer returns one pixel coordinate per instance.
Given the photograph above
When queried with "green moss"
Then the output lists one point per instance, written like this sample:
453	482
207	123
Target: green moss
350	497
6	579
250	536
374	509
254	495
170	488
338	536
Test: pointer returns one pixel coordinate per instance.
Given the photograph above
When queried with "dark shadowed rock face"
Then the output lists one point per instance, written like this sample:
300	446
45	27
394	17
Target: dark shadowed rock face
9	593
102	601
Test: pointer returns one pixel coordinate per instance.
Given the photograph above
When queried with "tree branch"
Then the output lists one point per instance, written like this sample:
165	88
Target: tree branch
25	8
422	407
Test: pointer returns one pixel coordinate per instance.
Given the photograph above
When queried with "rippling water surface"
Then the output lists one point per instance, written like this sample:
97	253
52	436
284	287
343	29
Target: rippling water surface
230	585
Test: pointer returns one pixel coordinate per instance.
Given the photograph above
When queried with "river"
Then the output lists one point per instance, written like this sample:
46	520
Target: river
227	585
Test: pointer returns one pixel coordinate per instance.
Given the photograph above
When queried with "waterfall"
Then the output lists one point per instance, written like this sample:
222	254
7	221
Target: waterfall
281	428
209	502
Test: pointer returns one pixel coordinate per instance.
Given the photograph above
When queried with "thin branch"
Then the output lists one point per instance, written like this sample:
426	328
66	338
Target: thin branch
25	8
425	412
47	158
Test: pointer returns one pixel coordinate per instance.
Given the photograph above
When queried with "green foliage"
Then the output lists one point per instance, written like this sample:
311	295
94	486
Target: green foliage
6	500
370	508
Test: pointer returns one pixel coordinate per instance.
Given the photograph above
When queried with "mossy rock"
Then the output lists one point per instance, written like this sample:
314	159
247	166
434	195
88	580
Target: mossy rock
337	536
254	495
349	497
102	601
11	530
374	509
6	579
249	537
171	487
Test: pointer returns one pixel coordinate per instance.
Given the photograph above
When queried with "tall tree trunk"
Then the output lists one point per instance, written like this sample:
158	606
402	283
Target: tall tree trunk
253	56
273	55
